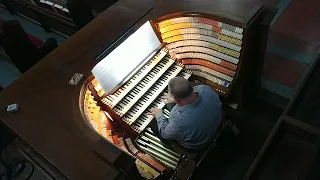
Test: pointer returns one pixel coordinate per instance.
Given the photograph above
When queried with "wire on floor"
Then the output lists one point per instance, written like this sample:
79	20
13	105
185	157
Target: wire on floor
15	167
124	173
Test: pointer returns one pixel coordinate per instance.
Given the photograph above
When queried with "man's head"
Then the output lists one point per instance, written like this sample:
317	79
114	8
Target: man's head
180	89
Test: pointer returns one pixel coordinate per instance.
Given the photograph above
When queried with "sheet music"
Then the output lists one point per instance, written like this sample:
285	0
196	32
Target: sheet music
123	60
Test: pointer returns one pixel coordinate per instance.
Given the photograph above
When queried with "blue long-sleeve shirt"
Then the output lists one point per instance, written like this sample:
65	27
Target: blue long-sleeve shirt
193	125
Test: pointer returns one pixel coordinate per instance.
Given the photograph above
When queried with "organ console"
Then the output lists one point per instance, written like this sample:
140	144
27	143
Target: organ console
130	80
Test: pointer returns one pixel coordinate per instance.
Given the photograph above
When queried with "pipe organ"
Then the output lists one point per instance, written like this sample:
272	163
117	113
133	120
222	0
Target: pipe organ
130	80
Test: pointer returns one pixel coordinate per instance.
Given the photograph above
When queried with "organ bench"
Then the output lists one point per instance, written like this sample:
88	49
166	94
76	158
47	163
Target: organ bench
85	130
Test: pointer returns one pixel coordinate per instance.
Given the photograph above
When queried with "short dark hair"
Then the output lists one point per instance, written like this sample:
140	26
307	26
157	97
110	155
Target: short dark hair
180	88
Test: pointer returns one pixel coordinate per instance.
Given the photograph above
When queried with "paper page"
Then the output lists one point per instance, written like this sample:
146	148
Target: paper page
123	60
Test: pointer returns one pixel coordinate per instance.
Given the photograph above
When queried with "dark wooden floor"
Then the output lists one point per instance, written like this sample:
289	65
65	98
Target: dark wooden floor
236	153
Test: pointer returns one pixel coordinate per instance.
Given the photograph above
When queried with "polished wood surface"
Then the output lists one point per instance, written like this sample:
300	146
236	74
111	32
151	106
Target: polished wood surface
49	118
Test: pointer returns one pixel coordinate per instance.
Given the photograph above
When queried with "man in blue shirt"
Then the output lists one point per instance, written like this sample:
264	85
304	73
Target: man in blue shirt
194	119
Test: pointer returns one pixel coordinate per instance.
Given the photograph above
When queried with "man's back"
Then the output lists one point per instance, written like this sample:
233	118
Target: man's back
197	123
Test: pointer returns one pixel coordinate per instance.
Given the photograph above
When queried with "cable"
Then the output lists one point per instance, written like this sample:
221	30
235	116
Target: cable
15	167
124	173
32	169
3	173
2	161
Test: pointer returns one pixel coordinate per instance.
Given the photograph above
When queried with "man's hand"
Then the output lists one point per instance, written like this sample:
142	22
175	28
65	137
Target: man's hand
154	111
168	99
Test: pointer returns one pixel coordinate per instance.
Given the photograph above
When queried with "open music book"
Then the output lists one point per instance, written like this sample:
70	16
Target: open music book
126	59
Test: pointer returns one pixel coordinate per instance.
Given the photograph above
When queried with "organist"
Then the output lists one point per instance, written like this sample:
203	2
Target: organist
194	117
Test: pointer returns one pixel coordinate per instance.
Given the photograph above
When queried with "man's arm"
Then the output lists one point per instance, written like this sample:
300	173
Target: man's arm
168	130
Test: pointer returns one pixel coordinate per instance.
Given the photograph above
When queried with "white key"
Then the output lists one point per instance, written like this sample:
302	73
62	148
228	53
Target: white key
148	85
142	73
